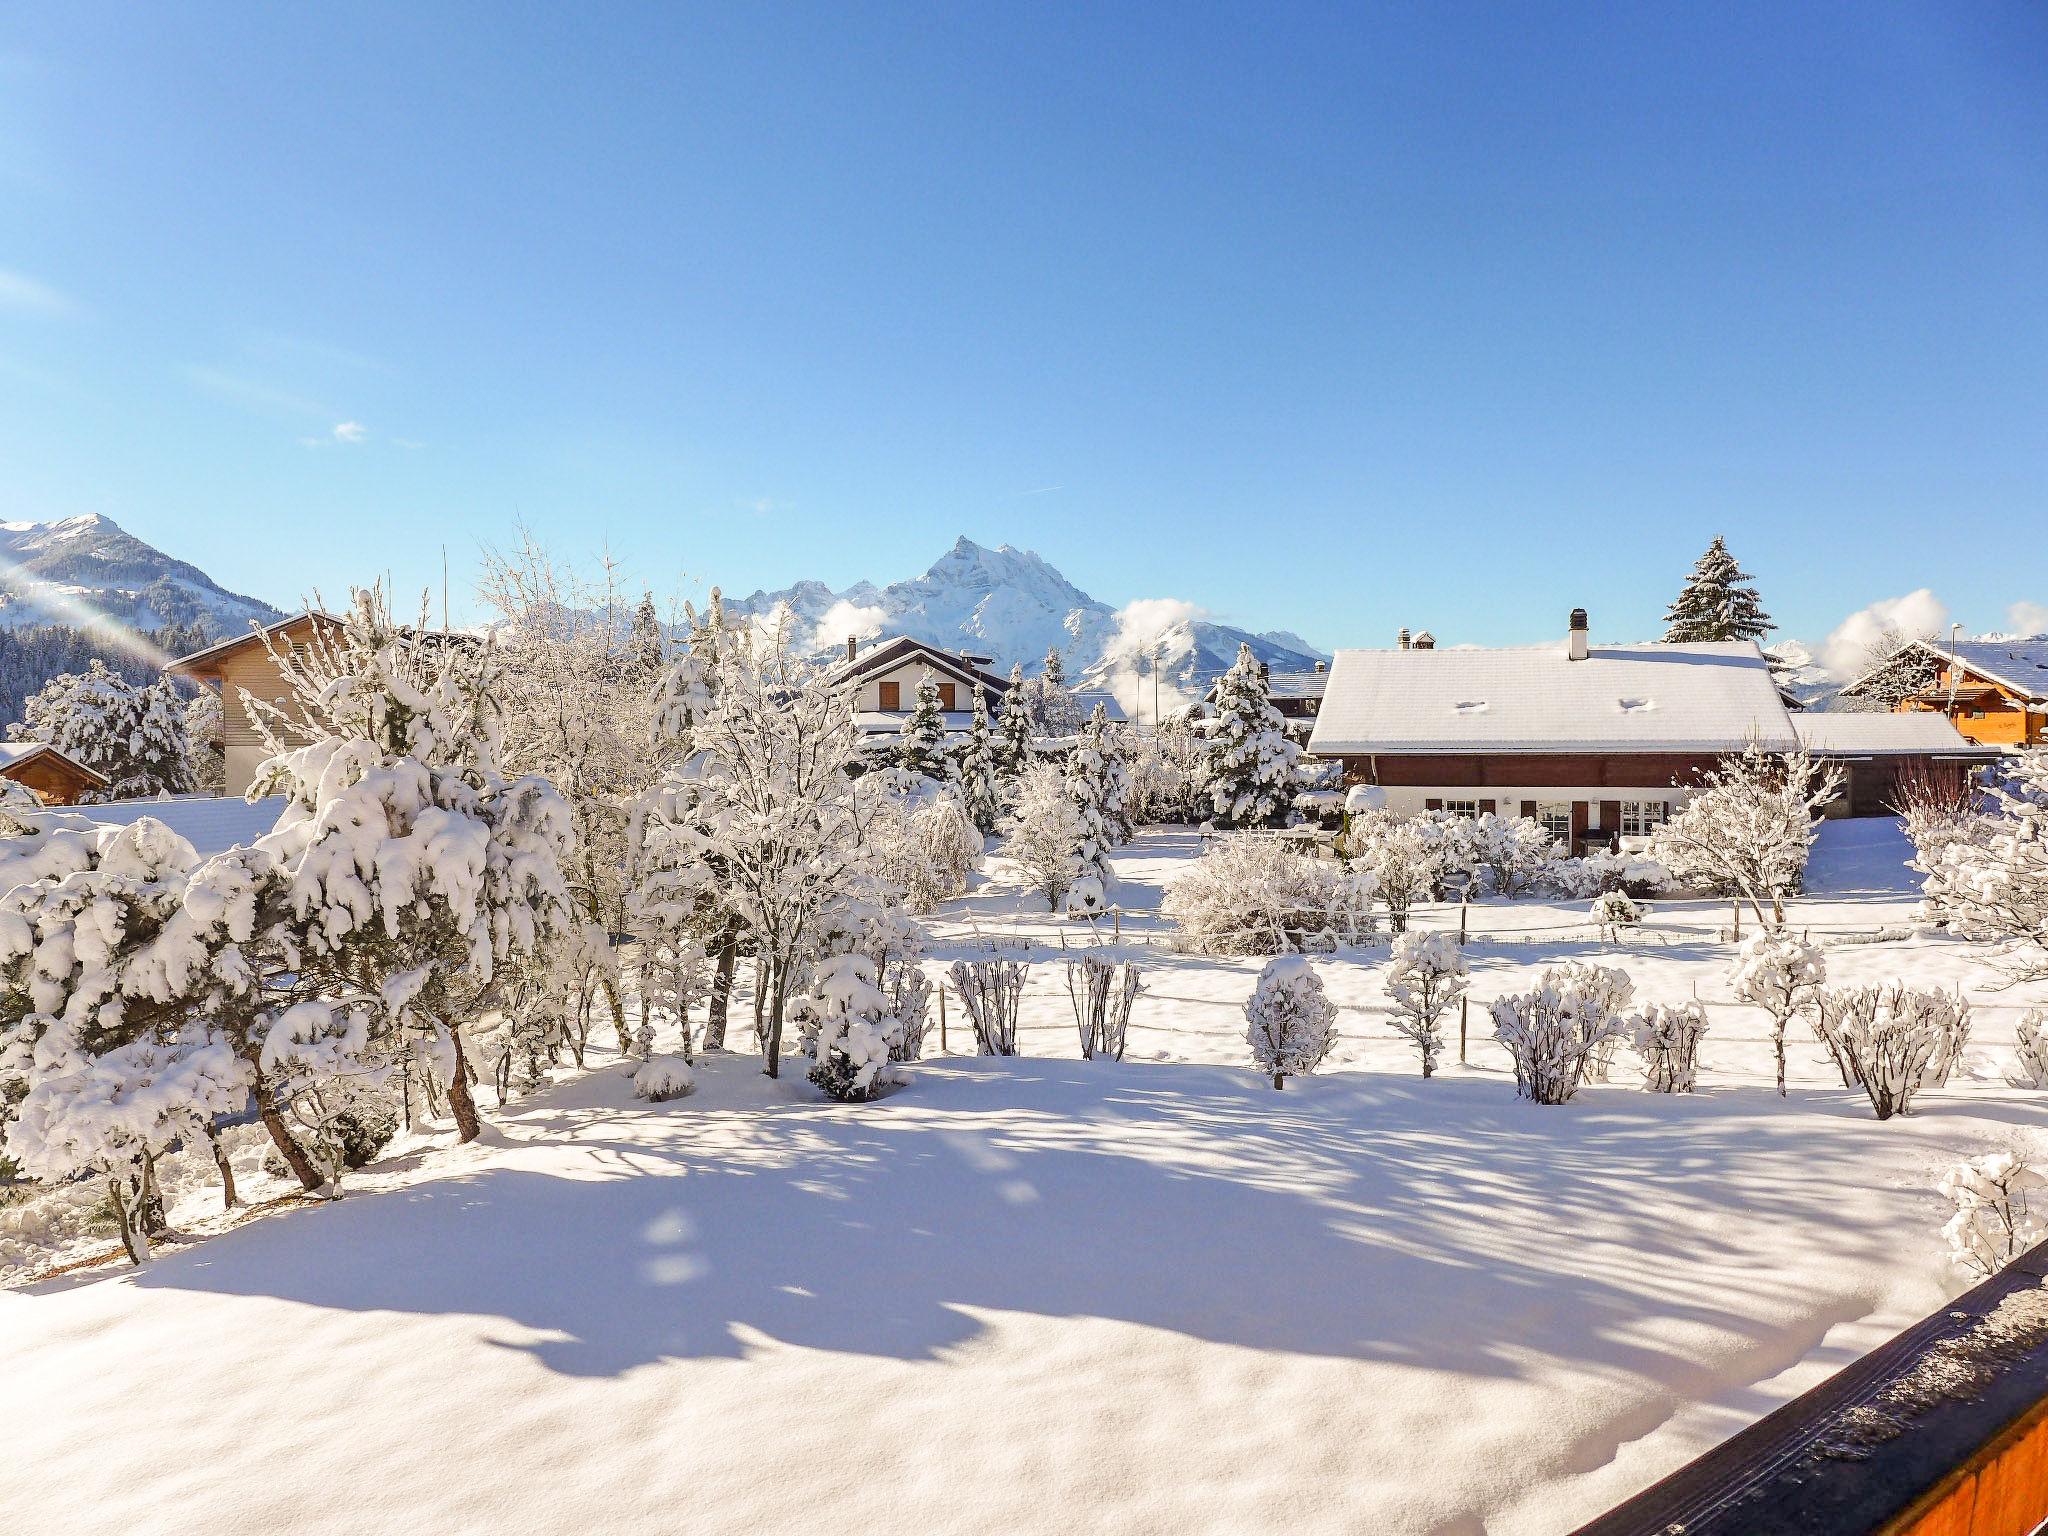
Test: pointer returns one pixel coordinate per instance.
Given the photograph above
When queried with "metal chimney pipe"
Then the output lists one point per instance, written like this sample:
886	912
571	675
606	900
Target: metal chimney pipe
850	644
1402	638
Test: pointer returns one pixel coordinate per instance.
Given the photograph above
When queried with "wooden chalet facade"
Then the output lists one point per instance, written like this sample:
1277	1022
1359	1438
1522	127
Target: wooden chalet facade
56	777
884	677
1596	742
245	663
1993	691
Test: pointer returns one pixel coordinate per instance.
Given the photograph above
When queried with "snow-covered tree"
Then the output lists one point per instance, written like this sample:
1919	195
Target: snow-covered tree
1096	782
1558	1032
993	993
1290	1024
1502	855
1013	753
421	876
1988	878
1892	1041
1050	705
646	647
921	744
1102	991
919	838
765	806
1667	1037
1615	914
204	736
1404	857
1251	895
1748	830
848	1032
135	735
1170	774
1252	762
1717	602
980	781
2000	1209
1781	975
1424	980
1043	833
2029	1067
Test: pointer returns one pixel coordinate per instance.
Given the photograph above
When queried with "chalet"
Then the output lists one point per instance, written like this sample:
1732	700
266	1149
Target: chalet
885	675
1593	741
1884	757
56	777
1994	691
245	663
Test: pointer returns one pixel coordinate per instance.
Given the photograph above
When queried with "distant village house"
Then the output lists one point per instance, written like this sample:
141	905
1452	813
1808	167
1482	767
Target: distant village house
1993	691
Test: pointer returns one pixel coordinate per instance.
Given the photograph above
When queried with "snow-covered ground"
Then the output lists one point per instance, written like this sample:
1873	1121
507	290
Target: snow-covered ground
1041	1294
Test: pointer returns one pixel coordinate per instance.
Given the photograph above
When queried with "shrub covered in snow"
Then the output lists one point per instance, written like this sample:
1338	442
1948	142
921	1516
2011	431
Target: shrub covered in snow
1290	1024
2000	1206
993	992
1781	975
661	1078
848	1031
1667	1037
1560	1032
1616	914
1043	834
1253	895
1987	876
1425	979
1251	760
1749	829
1502	855
1102	991
1404	858
1892	1041
1170	775
2030	1051
1086	898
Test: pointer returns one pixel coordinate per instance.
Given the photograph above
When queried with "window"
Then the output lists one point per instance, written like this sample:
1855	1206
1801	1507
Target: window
1640	818
1556	816
946	698
1465	808
892	695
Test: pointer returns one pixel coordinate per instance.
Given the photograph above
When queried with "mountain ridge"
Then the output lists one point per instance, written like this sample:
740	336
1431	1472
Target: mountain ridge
89	573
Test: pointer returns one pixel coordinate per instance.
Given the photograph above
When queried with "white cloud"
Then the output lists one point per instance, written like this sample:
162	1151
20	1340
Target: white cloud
845	621
1143	627
350	432
2025	618
1846	651
20	292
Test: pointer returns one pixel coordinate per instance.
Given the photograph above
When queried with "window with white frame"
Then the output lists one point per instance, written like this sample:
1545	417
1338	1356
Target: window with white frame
1556	816
1465	808
1640	818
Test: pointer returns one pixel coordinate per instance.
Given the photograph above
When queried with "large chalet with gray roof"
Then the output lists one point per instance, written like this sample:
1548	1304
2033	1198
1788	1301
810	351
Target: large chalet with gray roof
1595	741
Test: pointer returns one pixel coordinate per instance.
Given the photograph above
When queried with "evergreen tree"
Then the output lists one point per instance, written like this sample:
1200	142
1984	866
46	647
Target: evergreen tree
1052	708
644	650
134	735
1717	602
923	747
1096	783
1252	762
978	769
1055	669
1014	754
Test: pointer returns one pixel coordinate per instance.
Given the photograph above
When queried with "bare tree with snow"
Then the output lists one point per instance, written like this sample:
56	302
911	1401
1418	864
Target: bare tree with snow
1290	1024
1425	978
1749	829
1781	975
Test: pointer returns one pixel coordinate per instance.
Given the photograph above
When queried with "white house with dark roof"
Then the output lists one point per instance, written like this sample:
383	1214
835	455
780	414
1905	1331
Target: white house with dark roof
884	676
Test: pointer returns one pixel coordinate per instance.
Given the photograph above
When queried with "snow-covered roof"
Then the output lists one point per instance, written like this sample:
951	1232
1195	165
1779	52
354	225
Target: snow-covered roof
210	823
2019	662
198	660
1297	685
15	753
1847	733
897	650
1704	697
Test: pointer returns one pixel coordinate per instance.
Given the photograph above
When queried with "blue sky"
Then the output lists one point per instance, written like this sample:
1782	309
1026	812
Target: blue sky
1328	319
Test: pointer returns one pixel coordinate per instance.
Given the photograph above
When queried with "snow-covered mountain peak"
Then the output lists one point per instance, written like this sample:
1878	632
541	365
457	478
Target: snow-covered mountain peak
89	572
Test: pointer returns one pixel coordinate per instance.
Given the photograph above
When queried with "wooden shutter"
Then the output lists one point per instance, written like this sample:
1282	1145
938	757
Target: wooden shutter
1529	809
892	695
1432	805
946	698
1487	807
1580	816
1610	817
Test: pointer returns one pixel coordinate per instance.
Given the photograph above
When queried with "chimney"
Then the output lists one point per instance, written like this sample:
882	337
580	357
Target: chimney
1425	641
1402	638
1575	643
1322	666
850	644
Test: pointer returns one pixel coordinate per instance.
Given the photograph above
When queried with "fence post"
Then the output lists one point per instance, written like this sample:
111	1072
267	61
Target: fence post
1464	907
942	1020
1464	1012
1738	919
1116	918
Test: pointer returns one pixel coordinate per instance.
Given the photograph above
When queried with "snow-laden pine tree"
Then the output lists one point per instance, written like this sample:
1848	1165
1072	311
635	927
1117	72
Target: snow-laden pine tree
421	875
847	1029
135	735
1717	602
646	649
1252	762
1748	830
1097	782
1013	753
980	783
1290	1024
1781	975
921	745
204	735
1425	978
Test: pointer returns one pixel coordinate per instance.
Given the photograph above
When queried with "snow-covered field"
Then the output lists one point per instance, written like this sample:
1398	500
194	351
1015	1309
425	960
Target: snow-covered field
1041	1294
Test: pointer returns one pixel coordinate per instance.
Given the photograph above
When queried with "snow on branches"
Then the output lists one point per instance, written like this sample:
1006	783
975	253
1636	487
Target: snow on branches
1290	1024
921	744
1987	875
1250	894
136	736
1748	830
1667	1037
1425	979
1404	858
849	1033
1781	975
1996	1219
1044	833
1561	1032
980	781
1251	760
1892	1041
2029	1067
1097	783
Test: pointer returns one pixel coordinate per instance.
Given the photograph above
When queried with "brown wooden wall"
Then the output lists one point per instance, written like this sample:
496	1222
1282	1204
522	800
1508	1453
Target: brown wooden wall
55	780
1523	770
